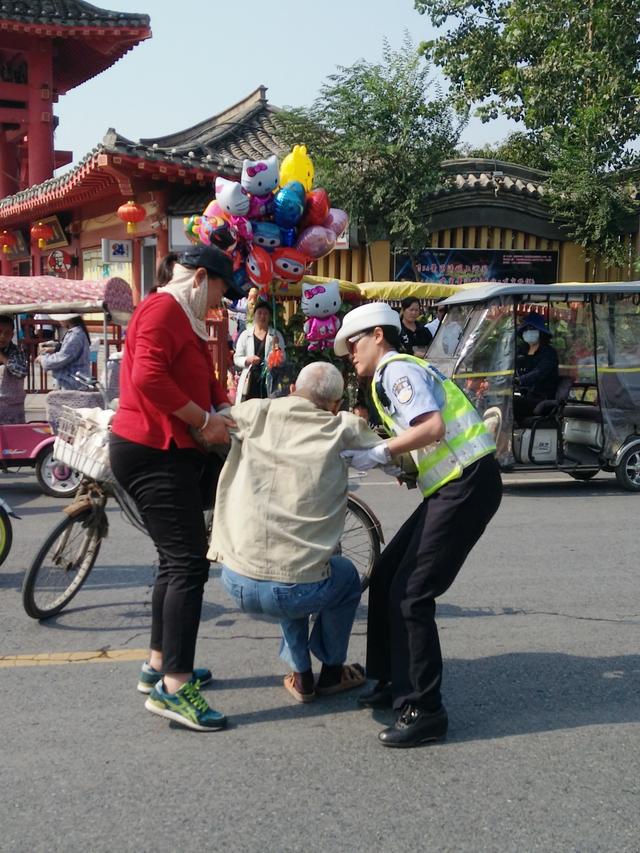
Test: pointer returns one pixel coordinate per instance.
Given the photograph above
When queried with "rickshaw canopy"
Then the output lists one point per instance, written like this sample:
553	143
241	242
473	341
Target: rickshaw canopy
48	294
397	290
487	292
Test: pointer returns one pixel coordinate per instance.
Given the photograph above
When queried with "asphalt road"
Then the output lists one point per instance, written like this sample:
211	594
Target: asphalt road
542	684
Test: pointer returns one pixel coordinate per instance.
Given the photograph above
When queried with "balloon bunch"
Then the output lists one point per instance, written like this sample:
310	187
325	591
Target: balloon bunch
271	223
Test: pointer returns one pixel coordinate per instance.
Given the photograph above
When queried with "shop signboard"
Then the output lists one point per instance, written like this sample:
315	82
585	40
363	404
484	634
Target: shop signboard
117	251
459	266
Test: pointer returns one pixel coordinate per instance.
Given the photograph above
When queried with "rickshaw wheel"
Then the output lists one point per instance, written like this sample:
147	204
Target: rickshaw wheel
6	535
55	478
628	470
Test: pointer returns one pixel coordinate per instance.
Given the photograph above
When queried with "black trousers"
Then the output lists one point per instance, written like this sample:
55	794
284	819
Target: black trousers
165	484
419	564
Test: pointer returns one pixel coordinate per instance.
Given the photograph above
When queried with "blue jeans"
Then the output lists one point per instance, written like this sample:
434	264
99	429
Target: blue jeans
334	600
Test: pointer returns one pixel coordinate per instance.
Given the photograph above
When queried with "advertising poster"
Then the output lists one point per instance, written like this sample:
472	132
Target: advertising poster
459	266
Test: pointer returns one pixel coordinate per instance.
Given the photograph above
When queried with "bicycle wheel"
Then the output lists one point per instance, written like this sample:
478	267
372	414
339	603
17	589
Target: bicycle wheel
62	565
360	541
6	534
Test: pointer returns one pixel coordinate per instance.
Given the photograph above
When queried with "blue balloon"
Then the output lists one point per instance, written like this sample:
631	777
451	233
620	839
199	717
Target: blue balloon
240	276
267	235
288	204
288	236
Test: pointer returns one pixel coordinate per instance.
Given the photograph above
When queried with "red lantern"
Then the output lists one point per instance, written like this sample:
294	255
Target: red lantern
7	241
41	232
131	213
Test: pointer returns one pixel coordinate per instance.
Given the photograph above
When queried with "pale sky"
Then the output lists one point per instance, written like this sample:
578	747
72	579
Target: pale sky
205	56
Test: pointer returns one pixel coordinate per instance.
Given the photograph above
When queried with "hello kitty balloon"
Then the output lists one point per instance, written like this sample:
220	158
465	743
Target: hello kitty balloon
320	303
260	177
232	198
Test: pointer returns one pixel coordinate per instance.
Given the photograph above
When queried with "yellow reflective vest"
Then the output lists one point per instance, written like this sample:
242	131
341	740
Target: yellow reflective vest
466	438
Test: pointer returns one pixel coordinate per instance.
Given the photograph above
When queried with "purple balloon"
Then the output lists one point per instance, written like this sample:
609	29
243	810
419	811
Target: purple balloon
316	241
337	220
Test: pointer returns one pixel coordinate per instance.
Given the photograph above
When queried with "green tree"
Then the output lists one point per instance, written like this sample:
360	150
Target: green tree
377	133
570	71
521	148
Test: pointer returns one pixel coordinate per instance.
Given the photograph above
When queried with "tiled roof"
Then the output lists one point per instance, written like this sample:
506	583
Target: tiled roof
244	130
215	146
68	13
496	176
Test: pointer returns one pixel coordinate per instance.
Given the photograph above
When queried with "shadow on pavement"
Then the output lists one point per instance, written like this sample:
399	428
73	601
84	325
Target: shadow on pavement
569	487
530	692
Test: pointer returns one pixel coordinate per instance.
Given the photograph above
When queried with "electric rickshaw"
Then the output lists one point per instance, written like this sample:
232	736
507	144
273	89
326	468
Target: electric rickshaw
30	444
592	421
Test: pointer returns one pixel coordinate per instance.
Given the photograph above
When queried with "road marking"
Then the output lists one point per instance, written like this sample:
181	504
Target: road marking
59	658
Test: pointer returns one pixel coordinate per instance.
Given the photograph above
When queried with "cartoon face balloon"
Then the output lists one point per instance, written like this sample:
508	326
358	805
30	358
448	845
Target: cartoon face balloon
191	226
259	266
266	235
215	231
232	198
289	264
260	177
297	166
321	300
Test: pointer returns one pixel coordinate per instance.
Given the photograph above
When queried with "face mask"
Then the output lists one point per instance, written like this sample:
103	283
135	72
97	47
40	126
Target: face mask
199	299
531	336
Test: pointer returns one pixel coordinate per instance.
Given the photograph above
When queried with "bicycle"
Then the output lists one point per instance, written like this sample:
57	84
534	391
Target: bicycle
6	530
69	553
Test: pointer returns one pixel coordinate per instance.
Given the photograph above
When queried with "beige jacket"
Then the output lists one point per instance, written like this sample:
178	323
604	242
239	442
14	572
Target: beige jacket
282	494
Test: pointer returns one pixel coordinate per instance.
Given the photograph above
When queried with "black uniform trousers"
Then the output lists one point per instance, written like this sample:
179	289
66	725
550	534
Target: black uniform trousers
419	564
166	486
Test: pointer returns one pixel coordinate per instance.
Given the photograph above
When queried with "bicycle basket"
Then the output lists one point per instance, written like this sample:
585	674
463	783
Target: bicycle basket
82	442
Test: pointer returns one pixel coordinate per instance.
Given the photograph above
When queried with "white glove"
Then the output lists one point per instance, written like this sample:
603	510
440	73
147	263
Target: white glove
392	470
364	460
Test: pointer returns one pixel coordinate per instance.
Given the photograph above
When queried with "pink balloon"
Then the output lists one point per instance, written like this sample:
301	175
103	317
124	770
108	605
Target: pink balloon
316	241
337	220
213	209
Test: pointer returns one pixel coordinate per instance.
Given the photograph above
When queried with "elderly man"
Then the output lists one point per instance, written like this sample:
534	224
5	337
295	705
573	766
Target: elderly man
280	512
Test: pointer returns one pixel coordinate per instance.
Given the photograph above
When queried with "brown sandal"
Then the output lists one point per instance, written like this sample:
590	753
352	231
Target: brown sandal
352	676
290	685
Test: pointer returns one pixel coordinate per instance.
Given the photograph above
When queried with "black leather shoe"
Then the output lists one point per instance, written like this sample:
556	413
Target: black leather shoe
415	726
379	697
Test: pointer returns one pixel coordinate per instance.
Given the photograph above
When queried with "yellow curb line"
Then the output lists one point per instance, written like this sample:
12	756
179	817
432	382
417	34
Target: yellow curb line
58	658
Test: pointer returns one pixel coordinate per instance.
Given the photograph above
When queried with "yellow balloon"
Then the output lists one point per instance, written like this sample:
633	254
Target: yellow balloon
297	166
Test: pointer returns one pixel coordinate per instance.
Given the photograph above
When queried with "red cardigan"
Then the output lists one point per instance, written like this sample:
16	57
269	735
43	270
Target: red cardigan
165	365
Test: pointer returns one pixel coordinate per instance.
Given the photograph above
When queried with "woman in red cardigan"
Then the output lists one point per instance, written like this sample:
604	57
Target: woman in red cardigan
169	405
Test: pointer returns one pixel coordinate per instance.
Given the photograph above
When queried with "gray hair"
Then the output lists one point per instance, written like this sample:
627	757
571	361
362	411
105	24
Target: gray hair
320	382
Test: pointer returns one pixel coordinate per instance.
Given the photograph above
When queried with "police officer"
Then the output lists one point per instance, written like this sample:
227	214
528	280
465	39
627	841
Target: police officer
429	417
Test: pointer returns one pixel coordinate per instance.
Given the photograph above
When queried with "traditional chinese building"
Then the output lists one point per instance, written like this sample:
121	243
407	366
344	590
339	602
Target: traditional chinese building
49	46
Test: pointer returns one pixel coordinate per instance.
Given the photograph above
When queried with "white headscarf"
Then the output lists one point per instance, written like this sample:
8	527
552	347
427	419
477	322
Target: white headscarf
192	300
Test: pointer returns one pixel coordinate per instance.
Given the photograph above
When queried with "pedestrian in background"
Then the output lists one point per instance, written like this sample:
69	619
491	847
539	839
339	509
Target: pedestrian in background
415	336
72	355
13	370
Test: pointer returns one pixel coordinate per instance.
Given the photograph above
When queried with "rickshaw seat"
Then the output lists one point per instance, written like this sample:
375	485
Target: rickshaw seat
583	412
550	408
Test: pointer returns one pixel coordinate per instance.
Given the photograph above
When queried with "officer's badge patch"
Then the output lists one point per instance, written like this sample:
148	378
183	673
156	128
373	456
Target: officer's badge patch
403	390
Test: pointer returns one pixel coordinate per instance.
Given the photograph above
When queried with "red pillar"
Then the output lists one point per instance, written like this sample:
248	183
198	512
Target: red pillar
40	133
8	166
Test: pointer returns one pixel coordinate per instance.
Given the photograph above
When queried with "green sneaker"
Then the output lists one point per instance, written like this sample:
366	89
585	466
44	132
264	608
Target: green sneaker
149	677
187	707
